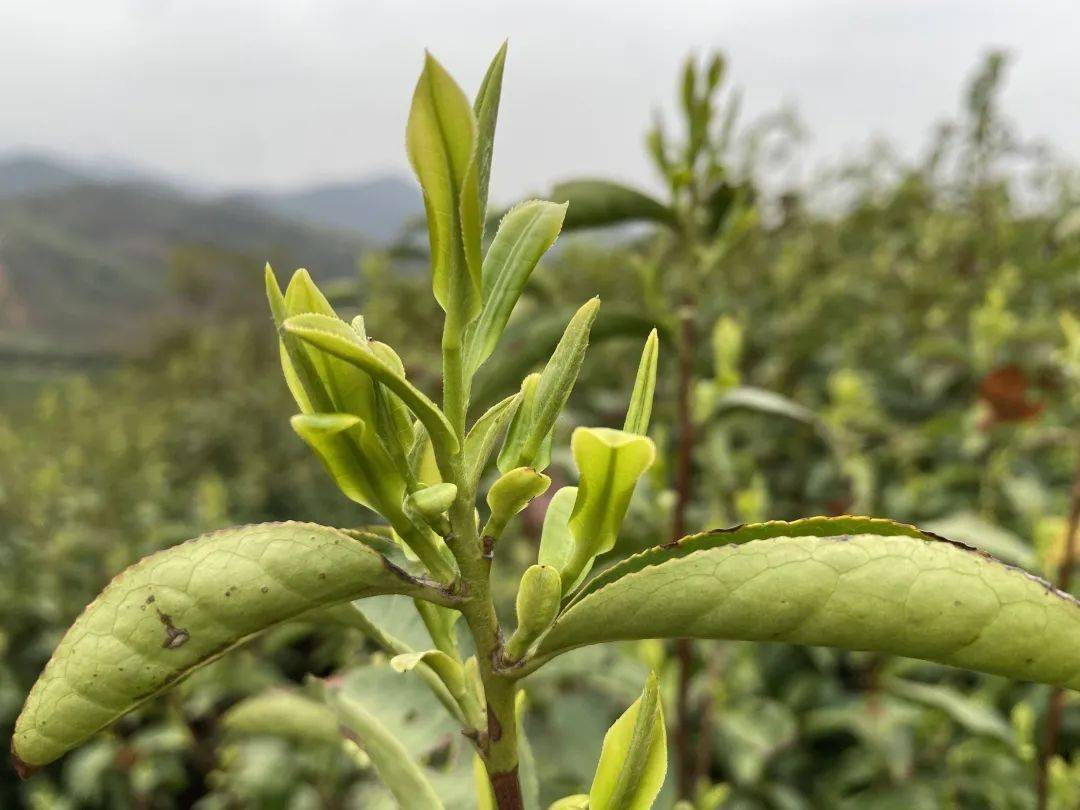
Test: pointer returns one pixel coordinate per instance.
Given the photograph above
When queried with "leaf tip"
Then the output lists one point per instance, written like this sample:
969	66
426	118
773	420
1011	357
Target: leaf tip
24	770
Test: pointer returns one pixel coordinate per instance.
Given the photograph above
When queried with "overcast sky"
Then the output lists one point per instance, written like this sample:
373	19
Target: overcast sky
257	92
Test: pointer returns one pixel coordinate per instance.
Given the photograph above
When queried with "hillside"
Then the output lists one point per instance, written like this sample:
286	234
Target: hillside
87	267
375	209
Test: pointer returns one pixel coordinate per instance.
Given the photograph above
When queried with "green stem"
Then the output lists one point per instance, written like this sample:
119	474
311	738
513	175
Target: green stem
455	385
497	743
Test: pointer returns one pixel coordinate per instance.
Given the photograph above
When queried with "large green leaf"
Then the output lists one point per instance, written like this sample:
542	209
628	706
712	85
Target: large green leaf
404	777
853	583
597	203
176	610
283	713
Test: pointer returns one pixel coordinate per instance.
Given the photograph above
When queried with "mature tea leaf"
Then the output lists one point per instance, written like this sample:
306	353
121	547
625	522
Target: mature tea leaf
597	203
748	398
845	582
392	760
524	236
633	761
283	713
181	608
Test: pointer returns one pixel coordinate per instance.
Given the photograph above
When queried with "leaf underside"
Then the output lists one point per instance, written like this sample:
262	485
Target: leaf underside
175	611
853	583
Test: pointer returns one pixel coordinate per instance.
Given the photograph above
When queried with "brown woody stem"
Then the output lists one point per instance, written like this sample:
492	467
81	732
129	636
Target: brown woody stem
1056	707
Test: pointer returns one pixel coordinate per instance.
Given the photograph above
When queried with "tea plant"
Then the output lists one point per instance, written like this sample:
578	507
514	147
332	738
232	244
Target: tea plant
709	210
851	582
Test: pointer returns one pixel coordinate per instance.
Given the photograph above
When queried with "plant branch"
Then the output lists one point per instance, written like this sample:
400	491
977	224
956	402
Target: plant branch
684	648
1056	706
497	743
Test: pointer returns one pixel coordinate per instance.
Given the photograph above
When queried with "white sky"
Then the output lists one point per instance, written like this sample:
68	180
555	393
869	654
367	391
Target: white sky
257	92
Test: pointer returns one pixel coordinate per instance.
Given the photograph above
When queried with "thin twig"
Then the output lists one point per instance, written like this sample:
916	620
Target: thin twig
684	649
1056	706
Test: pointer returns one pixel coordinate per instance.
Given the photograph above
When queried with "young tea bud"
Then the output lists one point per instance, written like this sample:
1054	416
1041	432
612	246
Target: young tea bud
511	493
431	504
538	598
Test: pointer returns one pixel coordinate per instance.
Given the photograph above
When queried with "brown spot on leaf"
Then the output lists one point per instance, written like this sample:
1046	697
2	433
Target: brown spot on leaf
174	636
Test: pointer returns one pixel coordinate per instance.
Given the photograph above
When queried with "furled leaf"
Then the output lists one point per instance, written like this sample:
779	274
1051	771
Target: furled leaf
283	713
392	760
969	527
300	376
486	109
853	583
337	438
485	433
762	401
324	333
431	502
556	541
974	716
530	781
524	236
555	384
485	796
633	761
610	462
598	203
579	801
512	492
513	445
448	670
530	342
181	608
641	399
441	142
538	599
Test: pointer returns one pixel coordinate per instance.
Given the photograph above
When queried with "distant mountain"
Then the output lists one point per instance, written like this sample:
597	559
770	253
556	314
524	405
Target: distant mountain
88	266
34	174
375	209
95	253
